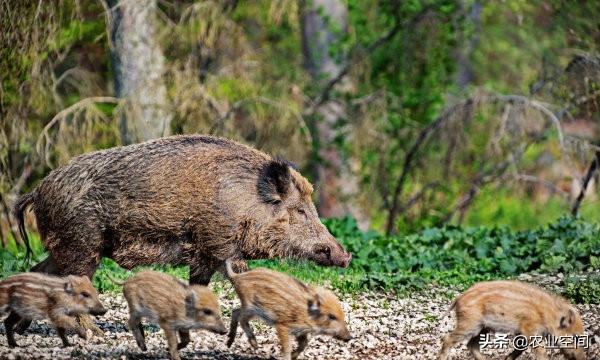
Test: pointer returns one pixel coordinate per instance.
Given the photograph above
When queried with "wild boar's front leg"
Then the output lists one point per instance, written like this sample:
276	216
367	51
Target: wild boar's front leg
202	269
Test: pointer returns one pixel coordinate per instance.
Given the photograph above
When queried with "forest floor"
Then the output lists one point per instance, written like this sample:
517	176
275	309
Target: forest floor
384	326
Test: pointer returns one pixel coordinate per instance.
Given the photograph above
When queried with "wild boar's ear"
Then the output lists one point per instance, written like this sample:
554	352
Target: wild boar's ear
274	181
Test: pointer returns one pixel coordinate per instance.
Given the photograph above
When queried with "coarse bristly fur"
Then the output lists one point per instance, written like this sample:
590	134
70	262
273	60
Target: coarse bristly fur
512	307
35	296
174	305
194	200
294	308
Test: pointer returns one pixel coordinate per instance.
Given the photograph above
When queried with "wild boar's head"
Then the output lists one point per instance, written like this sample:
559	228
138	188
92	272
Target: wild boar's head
293	226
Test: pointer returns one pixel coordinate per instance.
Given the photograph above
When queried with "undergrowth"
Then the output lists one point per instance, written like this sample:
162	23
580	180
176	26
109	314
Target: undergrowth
446	257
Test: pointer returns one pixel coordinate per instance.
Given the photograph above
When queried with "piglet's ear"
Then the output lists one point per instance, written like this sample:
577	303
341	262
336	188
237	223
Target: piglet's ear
314	306
69	287
274	181
190	304
567	319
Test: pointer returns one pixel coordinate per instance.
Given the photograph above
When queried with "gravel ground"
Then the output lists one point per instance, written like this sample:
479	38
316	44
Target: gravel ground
383	326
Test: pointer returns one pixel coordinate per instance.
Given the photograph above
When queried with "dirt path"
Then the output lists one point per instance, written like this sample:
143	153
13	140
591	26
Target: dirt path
383	327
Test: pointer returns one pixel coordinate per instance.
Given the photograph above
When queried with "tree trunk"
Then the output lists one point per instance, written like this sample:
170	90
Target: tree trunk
139	67
464	68
322	22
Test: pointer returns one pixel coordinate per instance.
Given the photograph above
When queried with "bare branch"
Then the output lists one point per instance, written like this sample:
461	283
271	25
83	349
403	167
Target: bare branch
73	109
390	34
586	180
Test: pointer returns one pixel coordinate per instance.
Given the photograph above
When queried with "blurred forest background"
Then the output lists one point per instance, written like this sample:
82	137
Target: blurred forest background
405	114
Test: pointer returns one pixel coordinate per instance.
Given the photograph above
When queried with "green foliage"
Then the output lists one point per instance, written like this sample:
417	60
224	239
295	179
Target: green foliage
458	257
583	290
446	256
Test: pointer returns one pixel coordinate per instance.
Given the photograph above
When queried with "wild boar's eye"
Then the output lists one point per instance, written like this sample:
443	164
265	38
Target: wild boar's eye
301	212
332	317
85	294
207	312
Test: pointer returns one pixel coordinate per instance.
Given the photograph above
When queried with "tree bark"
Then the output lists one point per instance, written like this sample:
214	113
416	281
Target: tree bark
464	68
322	23
138	67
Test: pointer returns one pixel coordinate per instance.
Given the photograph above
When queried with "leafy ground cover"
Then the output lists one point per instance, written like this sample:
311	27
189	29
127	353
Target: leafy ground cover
448	256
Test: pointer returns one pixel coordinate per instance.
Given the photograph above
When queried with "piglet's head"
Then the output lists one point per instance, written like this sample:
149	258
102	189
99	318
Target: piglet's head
84	296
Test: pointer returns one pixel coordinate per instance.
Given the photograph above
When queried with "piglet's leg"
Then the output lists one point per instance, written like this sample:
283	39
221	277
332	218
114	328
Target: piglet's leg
63	322
9	324
475	347
171	340
245	323
302	342
540	351
235	317
62	334
135	325
462	332
184	339
284	341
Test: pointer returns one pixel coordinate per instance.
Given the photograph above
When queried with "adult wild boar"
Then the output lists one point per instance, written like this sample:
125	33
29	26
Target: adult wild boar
194	200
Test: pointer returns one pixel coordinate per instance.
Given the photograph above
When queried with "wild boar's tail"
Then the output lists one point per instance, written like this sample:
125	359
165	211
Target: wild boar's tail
19	213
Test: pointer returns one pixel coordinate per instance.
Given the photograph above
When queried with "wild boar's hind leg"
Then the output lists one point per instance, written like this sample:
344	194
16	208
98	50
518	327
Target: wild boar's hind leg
78	252
9	323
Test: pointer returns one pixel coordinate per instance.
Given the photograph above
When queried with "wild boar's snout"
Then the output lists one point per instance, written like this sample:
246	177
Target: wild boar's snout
331	253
